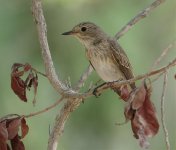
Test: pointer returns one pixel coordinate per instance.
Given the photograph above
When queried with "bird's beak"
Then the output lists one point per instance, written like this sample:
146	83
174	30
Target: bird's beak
68	33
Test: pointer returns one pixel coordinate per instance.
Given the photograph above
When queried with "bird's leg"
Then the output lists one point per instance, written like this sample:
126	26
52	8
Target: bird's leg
97	90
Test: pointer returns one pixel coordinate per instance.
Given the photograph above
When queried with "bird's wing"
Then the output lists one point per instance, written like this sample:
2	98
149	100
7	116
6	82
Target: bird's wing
120	56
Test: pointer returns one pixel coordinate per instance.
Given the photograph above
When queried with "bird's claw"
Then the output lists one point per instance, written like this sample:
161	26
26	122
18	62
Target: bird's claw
96	93
83	101
97	90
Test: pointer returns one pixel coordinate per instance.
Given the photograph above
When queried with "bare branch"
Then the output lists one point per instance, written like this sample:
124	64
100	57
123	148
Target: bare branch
84	77
45	109
42	33
138	17
162	112
163	54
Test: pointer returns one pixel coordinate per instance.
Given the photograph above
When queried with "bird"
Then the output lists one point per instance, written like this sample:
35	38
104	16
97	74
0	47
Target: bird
104	53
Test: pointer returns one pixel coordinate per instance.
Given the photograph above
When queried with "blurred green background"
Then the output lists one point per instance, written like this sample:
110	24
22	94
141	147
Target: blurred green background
92	125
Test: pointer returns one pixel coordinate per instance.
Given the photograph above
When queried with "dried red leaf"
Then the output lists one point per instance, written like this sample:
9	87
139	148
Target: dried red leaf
150	120
145	123
3	145
29	80
35	85
19	87
29	84
3	136
9	131
13	127
27	67
140	110
3	131
17	144
129	112
16	66
135	101
138	97
24	128
18	73
124	92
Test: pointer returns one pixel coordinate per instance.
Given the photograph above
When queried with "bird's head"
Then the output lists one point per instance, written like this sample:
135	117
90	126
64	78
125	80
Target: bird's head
86	32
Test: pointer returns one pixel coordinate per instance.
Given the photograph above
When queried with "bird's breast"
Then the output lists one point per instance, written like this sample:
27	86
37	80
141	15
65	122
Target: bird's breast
105	66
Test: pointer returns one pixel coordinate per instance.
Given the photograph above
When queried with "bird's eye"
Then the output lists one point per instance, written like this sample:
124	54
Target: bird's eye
83	29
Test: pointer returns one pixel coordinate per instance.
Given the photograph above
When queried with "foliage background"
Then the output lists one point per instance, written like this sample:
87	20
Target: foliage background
92	125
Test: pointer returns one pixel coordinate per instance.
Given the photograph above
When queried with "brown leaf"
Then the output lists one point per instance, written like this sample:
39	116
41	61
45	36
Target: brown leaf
17	84
9	131
3	145
3	131
124	93
3	136
24	128
16	66
19	87
129	112
27	67
148	113
29	80
35	85
13	127
17	144
145	123
138	97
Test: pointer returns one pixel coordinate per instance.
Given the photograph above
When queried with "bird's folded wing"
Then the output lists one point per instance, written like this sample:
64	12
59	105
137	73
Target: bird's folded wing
120	56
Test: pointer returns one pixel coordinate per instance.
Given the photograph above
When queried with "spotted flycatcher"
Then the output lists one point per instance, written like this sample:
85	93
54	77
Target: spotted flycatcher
104	53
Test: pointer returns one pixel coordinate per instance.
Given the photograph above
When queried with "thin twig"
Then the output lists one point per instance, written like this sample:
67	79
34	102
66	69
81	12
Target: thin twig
39	72
156	78
83	78
163	54
162	112
45	109
138	17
